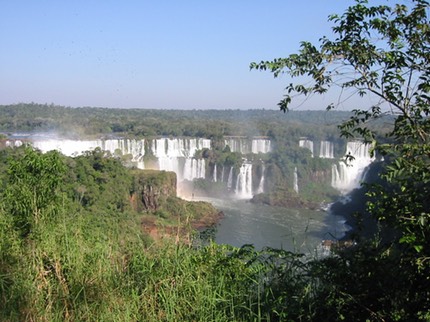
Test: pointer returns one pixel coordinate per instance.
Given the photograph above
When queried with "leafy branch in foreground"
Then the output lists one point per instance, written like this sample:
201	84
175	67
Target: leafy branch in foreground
382	52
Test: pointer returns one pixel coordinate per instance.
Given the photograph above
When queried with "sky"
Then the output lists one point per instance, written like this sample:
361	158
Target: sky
164	54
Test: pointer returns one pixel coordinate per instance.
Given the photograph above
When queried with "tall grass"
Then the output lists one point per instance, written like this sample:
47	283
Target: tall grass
79	267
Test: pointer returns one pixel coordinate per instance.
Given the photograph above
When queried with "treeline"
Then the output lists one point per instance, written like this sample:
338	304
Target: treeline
86	121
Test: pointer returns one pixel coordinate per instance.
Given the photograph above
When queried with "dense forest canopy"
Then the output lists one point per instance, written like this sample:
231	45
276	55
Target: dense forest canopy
88	121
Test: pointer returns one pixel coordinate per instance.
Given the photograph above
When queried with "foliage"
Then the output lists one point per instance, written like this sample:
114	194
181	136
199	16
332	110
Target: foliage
32	188
99	265
381	52
215	124
90	259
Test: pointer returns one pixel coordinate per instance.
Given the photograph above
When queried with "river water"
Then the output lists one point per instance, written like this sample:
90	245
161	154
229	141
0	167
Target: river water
298	230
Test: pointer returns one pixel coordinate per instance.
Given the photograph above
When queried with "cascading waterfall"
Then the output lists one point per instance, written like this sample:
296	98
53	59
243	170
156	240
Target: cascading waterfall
307	144
240	145
193	169
261	146
177	155
173	154
215	174
244	182
135	148
326	150
346	177
260	188
167	153
245	146
230	179
296	181
67	147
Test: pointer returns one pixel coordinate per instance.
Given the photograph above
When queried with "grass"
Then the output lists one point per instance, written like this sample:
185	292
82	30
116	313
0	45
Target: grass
83	268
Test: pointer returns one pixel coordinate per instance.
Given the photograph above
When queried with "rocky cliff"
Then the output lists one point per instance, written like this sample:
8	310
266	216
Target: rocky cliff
151	189
164	214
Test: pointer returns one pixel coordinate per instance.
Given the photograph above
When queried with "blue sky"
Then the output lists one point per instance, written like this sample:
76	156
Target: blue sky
185	54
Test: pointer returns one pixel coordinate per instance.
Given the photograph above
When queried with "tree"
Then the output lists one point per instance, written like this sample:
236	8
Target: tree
382	52
32	188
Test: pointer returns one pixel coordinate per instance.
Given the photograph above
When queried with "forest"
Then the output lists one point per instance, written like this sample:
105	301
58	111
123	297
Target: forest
90	121
73	243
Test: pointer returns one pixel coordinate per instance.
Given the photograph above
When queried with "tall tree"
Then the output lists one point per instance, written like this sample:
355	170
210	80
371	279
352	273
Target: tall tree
382	52
32	189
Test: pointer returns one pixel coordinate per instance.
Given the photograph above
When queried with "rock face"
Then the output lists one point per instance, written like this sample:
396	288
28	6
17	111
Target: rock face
164	214
152	188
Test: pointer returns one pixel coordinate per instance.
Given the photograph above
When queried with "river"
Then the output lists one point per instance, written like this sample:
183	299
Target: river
298	230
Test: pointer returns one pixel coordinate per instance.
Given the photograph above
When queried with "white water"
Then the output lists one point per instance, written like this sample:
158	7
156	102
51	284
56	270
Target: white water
346	176
193	169
172	154
296	181
307	144
178	155
243	188
215	174
175	155
260	188
261	146
245	146
326	150
230	179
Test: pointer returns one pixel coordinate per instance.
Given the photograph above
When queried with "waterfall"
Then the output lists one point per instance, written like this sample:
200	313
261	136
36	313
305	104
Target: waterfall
230	179
327	150
67	147
214	174
260	146
307	144
237	145
244	182
193	169
170	152
261	184
245	146
135	148
175	155
296	181
346	177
